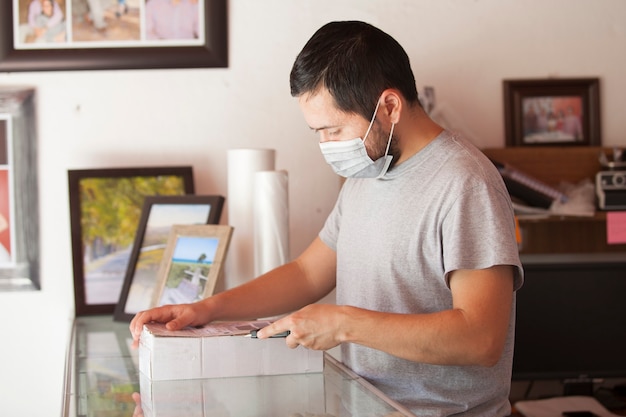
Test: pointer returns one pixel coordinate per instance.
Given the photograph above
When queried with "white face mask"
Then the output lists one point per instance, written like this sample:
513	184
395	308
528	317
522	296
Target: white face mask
349	158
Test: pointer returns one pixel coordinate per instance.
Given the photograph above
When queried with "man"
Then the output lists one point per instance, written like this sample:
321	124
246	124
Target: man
420	245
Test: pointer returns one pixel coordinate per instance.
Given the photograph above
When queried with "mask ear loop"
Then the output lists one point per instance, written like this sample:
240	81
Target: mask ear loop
388	158
389	141
372	121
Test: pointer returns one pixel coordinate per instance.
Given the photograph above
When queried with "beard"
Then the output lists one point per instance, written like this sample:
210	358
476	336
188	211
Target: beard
379	140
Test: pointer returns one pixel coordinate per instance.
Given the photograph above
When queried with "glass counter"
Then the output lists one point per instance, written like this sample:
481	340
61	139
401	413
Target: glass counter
102	379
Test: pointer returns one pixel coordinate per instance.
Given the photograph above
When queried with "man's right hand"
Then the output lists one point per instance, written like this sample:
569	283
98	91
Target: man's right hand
174	317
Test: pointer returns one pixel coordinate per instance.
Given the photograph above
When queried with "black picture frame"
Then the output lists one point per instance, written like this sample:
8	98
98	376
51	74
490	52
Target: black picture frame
212	54
158	215
105	207
549	112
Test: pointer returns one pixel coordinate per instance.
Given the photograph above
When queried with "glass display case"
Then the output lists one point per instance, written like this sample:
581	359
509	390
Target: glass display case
102	379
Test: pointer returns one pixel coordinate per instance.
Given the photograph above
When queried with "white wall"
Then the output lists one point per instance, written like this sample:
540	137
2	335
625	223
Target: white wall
134	118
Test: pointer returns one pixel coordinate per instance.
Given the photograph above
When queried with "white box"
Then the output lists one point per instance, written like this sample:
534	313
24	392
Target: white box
278	395
169	356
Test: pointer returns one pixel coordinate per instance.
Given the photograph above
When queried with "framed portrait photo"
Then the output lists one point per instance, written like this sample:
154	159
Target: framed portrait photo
47	35
105	210
552	112
158	216
192	262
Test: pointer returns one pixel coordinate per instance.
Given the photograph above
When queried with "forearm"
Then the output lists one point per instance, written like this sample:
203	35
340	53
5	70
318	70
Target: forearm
280	291
287	288
444	338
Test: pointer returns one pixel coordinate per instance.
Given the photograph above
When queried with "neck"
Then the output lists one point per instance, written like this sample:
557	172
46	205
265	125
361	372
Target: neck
414	131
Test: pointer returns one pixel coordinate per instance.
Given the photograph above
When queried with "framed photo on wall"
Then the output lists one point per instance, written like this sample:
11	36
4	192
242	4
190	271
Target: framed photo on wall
6	193
19	202
552	112
192	263
105	209
158	216
46	35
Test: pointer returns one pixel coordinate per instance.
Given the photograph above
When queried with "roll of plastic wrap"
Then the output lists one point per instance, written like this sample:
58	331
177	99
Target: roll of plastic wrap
271	220
242	165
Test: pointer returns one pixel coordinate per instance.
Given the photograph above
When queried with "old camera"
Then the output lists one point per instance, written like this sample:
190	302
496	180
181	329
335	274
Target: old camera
611	190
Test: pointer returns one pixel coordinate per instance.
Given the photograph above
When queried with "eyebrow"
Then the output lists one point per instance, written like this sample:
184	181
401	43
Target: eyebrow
317	129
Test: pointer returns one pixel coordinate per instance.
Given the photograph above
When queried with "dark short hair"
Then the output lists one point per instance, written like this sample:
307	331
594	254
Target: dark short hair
356	62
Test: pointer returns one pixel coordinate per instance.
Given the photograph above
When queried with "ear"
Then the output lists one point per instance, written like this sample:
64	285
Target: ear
392	104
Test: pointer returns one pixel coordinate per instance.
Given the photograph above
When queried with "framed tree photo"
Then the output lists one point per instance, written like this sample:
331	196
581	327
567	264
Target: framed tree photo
158	216
105	209
552	112
192	263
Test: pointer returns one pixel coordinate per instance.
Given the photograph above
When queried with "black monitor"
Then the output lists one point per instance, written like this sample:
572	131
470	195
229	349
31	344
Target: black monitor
571	318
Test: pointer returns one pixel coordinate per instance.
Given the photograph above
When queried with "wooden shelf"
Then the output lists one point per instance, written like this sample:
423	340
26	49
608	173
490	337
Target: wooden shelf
560	234
555	165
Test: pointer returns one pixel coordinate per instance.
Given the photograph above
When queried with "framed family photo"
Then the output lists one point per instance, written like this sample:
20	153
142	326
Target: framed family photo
105	209
192	262
552	112
158	216
47	35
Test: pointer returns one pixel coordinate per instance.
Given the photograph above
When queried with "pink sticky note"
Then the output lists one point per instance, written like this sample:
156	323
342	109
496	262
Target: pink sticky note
616	227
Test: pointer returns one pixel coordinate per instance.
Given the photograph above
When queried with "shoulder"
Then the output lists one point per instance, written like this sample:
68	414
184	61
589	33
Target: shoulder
462	162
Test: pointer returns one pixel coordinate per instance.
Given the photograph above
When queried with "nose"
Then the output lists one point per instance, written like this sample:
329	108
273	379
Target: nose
323	137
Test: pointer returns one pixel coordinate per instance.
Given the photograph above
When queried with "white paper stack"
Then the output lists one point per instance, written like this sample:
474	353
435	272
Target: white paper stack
205	353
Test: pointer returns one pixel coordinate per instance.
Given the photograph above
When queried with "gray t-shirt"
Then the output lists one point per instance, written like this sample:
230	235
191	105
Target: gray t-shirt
445	208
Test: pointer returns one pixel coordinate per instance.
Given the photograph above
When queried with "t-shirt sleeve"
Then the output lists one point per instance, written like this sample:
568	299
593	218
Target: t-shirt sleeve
479	232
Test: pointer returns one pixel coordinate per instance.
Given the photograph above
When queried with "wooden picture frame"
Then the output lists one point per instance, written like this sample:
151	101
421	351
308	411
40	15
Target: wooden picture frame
548	112
195	251
99	50
158	215
105	208
19	201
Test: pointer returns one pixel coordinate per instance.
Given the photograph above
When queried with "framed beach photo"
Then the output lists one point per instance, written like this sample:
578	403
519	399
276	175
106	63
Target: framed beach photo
192	262
105	210
158	215
48	35
552	112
